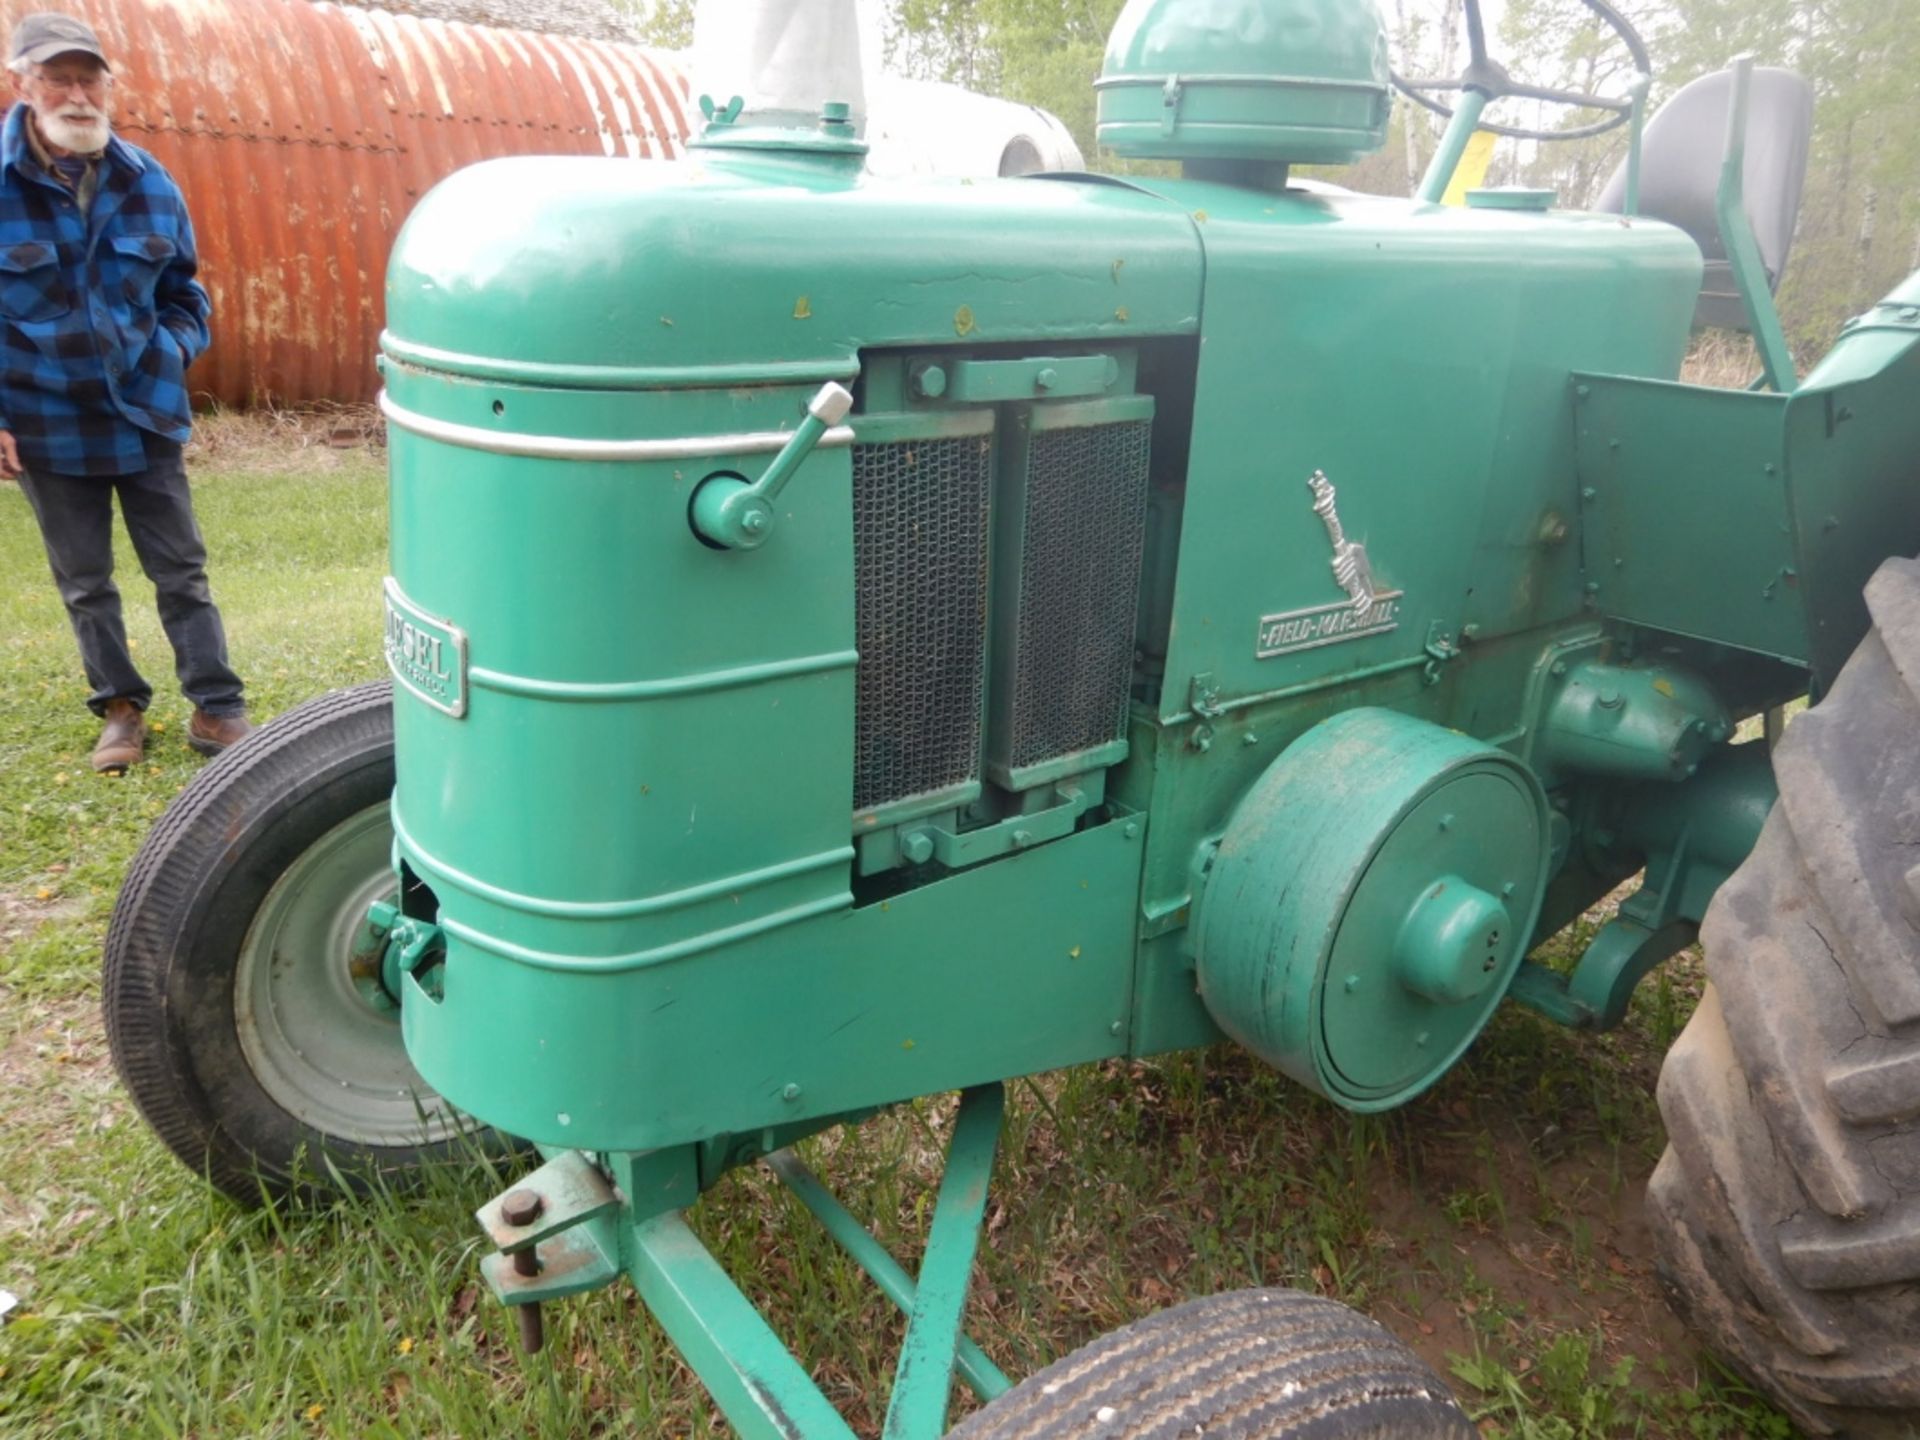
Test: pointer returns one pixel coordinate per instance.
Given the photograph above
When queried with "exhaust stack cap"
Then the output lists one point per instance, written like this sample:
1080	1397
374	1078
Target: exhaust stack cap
780	75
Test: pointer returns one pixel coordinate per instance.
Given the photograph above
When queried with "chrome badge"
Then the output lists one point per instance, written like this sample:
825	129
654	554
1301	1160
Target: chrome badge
1366	610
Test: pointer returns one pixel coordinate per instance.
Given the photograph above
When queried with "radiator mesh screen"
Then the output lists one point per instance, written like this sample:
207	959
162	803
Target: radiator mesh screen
1086	505
920	571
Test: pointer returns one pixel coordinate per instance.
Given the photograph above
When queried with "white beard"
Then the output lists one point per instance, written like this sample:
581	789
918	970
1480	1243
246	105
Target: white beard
83	136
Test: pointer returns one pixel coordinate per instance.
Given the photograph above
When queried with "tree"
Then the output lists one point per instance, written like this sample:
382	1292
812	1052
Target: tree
942	40
664	24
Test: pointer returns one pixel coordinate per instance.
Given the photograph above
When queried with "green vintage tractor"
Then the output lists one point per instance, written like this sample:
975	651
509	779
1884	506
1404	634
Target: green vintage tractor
858	641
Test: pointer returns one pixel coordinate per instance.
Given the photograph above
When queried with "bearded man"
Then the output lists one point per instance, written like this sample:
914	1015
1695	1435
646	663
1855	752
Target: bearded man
99	318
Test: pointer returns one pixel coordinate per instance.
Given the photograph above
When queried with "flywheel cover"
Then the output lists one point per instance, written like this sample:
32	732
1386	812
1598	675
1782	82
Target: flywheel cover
1369	903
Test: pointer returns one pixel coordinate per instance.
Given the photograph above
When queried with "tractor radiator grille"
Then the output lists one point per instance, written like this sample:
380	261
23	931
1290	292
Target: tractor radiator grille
1085	516
920	572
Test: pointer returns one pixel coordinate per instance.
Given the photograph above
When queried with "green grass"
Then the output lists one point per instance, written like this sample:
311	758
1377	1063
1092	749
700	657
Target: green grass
1491	1224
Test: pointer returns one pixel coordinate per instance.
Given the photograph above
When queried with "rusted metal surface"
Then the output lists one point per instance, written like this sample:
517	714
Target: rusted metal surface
593	19
302	134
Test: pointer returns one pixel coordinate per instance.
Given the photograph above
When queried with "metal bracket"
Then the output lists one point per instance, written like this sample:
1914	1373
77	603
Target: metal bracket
563	1215
982	382
1693	836
389	947
1441	647
957	849
1203	696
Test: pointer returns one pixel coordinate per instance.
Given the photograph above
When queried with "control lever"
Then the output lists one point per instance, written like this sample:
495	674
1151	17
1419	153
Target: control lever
730	513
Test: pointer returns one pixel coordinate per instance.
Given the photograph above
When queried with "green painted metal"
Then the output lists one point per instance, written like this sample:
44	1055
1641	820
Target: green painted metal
1277	81
1743	251
1631	722
818	264
1510	197
758	1385
923	1378
615	1051
957	848
1465	501
1422	495
1690	838
1749	519
1453	144
986	381
1637	125
1369	902
1662	466
982	1376
1852	432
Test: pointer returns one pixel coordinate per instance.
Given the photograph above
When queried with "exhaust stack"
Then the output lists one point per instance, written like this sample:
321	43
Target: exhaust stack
793	67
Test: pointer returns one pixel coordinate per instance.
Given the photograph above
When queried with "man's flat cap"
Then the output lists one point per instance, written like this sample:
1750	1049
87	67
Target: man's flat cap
41	36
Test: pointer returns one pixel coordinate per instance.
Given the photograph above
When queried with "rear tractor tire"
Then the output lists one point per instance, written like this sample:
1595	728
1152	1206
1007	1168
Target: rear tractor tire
1786	1210
235	1016
1276	1364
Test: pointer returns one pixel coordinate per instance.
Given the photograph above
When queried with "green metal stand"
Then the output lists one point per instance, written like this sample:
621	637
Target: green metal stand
560	1224
983	1377
752	1376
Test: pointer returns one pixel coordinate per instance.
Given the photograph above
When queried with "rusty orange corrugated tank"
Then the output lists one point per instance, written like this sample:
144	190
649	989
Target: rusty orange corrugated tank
303	133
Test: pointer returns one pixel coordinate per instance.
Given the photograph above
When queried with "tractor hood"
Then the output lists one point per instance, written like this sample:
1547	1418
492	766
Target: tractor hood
600	275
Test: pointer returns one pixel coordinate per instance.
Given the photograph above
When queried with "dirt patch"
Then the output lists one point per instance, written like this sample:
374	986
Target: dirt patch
22	912
1590	1269
311	440
57	1076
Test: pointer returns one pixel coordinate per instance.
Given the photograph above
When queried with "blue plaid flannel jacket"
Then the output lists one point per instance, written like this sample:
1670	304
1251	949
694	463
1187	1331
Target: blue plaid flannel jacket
99	314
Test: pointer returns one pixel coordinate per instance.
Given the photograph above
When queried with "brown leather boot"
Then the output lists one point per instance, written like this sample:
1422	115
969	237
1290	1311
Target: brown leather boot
210	734
124	740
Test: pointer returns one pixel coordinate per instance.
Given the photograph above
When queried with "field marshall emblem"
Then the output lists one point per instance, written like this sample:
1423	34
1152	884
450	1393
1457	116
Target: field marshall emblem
1365	611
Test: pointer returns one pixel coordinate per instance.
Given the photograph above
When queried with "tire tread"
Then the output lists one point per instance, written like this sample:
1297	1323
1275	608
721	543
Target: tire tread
1786	1211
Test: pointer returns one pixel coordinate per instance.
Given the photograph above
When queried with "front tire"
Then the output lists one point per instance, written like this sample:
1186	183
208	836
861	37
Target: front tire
260	1054
1274	1364
1786	1210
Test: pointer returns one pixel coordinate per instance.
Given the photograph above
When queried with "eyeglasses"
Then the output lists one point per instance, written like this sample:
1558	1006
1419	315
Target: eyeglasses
93	85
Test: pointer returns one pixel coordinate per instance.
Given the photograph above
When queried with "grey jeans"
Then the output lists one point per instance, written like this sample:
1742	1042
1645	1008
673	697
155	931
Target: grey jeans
76	523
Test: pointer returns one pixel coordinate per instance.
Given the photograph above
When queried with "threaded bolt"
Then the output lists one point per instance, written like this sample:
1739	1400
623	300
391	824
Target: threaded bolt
521	1208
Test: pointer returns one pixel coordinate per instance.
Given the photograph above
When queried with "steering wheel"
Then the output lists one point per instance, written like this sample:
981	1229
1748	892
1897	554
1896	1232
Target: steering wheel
1491	79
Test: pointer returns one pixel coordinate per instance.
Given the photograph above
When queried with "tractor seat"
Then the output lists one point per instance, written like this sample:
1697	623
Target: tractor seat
1680	159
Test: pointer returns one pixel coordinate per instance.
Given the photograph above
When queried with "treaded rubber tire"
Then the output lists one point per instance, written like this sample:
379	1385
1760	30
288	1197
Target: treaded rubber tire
1276	1364
173	946
1786	1210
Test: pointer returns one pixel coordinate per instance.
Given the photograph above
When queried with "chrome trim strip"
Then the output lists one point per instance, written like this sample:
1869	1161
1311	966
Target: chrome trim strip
621	909
674	685
660	954
567	447
433	360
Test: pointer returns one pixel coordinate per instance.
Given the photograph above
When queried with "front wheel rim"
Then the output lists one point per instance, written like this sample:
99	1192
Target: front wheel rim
316	1046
